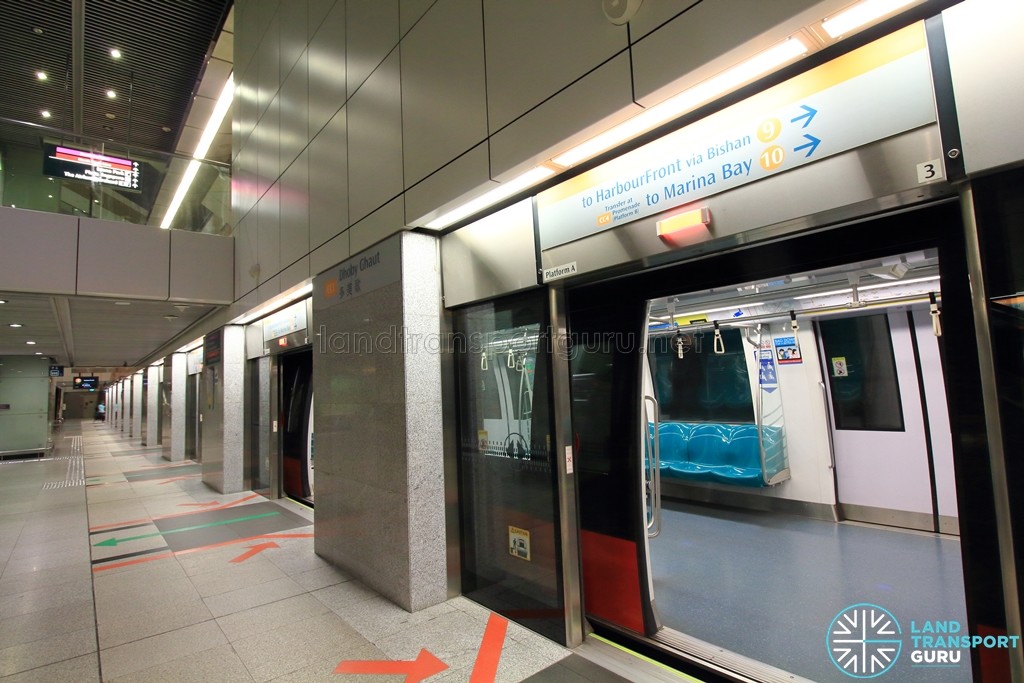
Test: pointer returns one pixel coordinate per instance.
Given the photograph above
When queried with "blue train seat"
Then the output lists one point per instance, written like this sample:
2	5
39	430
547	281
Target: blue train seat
720	453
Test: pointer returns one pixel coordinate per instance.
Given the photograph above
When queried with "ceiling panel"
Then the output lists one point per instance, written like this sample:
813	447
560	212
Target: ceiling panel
164	46
100	332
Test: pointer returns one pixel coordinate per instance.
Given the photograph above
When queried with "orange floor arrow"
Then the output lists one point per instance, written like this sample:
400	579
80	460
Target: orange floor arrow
486	667
255	550
424	666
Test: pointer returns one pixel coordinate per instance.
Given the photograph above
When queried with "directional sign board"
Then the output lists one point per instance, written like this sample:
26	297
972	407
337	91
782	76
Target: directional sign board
871	93
79	164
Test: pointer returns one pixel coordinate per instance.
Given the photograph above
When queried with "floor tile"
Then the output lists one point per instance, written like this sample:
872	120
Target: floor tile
84	669
166	647
39	653
125	625
253	596
219	664
272	616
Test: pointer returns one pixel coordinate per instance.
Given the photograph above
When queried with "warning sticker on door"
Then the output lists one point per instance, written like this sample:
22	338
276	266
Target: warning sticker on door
839	368
519	543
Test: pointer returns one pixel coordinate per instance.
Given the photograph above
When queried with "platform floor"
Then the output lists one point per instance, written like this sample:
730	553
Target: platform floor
117	565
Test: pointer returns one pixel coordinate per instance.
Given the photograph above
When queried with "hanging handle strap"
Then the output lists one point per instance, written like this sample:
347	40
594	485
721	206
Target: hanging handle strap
792	321
719	342
933	308
483	360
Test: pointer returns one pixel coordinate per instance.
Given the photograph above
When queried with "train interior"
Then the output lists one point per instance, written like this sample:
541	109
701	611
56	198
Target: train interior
296	425
797	458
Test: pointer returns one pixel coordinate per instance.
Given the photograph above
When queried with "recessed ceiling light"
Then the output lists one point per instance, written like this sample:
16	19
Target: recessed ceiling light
122	303
169	318
115	53
15	325
36	30
41	75
3	301
45	113
166	129
39	353
30	343
110	116
112	94
50	196
95	201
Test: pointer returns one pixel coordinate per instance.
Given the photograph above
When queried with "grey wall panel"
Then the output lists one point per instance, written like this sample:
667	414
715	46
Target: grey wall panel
382	223
234	400
269	289
537	47
244	180
119	259
410	11
317	11
653	14
670	60
327	73
295	111
442	61
294	36
602	98
39	251
269	228
268	59
295	211
138	396
372	33
328	198
985	58
244	102
269	140
325	256
202	267
295	273
469	172
375	140
491	257
245	34
246	255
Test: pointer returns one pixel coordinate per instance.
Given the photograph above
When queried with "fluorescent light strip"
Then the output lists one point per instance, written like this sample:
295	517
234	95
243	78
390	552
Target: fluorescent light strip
205	140
849	290
718	310
861	14
687	100
271	306
503	191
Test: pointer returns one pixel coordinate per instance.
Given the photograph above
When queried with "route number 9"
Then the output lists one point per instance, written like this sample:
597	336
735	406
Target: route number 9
769	130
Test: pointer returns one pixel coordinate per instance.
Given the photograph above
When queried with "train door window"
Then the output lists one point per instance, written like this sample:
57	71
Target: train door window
862	375
693	385
511	558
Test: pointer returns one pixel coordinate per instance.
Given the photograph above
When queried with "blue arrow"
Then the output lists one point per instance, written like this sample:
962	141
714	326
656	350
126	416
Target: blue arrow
811	145
808	115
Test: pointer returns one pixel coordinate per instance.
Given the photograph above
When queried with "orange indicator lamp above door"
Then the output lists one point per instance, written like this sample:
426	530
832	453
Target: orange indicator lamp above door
686	228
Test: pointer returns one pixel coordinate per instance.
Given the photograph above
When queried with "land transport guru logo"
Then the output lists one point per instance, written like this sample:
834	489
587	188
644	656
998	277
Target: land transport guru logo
865	641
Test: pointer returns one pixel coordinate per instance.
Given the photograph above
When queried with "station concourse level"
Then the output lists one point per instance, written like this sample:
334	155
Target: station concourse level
478	340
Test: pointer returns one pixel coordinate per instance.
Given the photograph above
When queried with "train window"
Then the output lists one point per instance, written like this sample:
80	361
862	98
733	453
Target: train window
861	370
702	386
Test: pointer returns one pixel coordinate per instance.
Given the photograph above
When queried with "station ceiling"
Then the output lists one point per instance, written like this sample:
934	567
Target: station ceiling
166	48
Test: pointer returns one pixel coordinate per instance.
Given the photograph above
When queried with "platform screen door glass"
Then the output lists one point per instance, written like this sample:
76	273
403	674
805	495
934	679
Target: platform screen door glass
507	479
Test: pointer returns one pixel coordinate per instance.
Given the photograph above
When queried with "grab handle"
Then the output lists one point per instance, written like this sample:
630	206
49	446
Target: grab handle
654	466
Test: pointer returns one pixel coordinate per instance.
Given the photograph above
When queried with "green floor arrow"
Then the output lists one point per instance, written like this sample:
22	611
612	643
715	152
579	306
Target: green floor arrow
115	541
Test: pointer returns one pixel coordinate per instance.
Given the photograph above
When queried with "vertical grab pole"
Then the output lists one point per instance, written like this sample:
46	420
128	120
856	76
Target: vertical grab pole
564	456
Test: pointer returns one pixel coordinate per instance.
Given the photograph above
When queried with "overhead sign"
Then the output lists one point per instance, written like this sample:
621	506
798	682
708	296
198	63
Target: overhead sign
812	116
376	267
56	371
285	322
79	164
